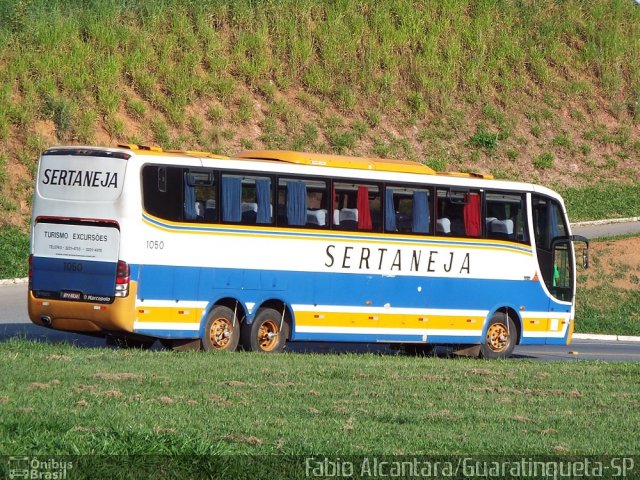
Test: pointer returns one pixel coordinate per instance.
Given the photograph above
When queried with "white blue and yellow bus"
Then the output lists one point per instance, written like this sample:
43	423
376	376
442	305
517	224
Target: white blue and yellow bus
200	250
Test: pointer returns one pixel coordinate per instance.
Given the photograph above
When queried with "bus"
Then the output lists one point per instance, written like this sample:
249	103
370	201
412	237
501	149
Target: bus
198	250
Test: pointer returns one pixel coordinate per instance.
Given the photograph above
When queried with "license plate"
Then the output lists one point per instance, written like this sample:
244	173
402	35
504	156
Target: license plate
70	295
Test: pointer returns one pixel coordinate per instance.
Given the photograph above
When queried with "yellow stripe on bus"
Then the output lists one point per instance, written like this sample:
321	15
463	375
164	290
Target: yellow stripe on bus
168	314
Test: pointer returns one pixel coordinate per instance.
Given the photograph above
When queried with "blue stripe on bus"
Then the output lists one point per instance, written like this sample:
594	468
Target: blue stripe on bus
340	289
73	274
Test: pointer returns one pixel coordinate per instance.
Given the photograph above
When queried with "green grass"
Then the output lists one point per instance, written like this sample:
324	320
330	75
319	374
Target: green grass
608	310
59	399
607	200
14	252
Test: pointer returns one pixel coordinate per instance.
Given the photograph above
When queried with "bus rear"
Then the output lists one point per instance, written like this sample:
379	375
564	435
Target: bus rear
77	279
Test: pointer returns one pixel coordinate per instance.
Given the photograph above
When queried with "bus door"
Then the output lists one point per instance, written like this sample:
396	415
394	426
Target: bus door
555	252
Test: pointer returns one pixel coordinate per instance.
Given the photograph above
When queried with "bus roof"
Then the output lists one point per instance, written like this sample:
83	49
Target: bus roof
316	159
341	161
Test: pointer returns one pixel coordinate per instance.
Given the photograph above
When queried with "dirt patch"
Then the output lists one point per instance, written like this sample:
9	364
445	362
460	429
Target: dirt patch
63	358
115	393
118	377
235	438
237	383
615	263
220	400
42	386
84	388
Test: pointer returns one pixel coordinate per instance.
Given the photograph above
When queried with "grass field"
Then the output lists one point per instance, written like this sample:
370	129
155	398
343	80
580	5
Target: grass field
66	400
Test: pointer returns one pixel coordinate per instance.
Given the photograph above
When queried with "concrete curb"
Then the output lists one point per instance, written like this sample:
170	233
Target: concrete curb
605	222
14	281
606	338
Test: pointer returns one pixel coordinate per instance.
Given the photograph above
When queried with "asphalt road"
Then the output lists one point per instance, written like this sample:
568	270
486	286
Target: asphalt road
606	230
14	321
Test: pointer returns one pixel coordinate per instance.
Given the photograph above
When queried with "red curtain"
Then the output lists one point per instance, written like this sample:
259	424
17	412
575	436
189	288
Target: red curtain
364	212
472	225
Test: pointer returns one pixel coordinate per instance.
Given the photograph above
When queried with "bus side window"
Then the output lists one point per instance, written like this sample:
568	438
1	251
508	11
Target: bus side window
458	213
162	192
407	210
198	190
505	218
246	199
356	207
302	203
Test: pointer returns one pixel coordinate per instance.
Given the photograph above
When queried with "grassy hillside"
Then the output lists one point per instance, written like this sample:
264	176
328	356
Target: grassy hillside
543	91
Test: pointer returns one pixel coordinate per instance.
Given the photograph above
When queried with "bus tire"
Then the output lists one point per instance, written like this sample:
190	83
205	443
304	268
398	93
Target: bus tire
222	330
501	337
265	334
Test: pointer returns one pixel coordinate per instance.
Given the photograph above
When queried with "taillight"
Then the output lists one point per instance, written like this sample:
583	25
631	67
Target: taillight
30	270
123	276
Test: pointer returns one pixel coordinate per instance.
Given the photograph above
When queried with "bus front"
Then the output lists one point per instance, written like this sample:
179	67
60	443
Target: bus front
77	279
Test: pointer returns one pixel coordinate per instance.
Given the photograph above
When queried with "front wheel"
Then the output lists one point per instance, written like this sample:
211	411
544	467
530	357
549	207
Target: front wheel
222	330
267	333
501	337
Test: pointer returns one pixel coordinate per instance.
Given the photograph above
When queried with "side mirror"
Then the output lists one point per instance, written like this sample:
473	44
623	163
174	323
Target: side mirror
585	252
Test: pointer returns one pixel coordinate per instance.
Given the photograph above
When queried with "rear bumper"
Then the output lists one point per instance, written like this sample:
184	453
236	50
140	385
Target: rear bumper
84	316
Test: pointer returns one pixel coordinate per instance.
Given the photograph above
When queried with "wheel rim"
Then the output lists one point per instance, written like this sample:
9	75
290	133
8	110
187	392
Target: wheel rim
268	335
498	337
220	333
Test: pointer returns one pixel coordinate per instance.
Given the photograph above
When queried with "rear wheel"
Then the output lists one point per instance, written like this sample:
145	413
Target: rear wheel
501	337
267	333
222	330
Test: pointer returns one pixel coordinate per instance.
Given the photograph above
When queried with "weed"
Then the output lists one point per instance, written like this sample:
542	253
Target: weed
543	161
4	175
136	108
196	125
215	113
562	140
536	131
437	164
61	111
115	126
585	149
359	129
373	118
245	109
512	154
484	139
160	132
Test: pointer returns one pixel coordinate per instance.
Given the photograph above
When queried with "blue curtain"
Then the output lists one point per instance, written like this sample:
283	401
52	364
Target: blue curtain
263	197
553	222
189	199
296	202
420	212
231	199
389	212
